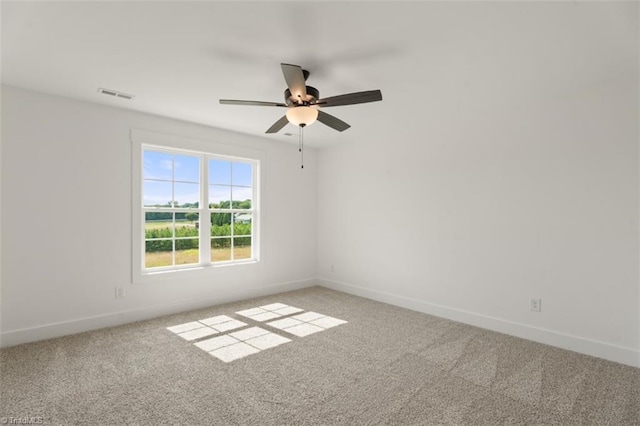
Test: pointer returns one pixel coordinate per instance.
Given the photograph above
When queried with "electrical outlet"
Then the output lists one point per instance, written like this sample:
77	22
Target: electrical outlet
535	305
120	292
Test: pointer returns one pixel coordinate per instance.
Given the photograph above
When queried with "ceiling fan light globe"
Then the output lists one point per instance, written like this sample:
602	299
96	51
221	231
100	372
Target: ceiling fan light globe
302	115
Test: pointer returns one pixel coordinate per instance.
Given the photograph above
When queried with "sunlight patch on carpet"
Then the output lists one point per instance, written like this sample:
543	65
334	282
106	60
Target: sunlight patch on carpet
239	344
233	345
305	324
269	312
198	329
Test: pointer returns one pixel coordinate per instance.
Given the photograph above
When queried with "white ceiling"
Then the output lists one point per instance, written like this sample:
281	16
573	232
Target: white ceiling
179	58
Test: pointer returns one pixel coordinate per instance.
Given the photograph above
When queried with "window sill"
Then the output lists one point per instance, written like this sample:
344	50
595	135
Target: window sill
191	272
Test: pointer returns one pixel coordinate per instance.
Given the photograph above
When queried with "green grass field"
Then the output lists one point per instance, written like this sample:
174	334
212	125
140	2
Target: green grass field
167	224
185	257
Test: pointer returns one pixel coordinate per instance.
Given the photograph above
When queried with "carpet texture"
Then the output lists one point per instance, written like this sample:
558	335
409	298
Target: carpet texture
385	365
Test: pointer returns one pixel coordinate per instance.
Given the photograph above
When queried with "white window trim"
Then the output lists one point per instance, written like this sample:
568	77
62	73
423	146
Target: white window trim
141	139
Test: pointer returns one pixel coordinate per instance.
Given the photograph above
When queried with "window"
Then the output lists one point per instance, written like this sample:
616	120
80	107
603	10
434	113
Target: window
171	201
230	204
197	209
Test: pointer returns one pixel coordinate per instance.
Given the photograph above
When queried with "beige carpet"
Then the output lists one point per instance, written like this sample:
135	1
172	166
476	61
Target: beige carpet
384	365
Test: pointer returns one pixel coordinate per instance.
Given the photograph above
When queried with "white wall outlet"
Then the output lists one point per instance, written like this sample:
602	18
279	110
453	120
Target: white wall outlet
120	292
535	305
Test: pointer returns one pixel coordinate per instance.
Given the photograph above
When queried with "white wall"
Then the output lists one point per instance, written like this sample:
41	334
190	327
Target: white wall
66	220
470	207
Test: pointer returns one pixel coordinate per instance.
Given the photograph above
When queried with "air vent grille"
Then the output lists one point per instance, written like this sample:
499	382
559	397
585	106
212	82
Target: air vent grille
115	93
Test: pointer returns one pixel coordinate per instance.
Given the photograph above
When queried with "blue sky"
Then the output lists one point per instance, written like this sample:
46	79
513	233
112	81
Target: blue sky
226	179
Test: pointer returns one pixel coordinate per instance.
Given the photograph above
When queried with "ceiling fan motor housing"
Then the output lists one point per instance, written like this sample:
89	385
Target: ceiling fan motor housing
312	96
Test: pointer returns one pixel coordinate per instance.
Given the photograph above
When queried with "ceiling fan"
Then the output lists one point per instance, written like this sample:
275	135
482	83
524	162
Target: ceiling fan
303	102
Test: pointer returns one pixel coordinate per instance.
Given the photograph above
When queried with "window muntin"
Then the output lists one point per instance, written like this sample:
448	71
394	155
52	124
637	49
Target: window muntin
180	230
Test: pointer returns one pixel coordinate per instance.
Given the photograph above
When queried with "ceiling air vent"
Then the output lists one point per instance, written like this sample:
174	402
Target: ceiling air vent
115	93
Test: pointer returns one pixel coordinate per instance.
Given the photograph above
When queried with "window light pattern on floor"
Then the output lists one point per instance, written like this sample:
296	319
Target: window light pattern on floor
268	312
306	324
206	327
237	344
241	343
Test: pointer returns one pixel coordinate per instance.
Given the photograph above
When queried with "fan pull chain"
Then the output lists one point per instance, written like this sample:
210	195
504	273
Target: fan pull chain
301	145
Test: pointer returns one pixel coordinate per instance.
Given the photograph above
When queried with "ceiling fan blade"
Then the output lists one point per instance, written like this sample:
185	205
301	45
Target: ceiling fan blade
333	122
351	98
294	77
278	125
250	103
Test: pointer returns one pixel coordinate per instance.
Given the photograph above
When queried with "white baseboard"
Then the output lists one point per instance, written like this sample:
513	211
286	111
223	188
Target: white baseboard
623	355
49	331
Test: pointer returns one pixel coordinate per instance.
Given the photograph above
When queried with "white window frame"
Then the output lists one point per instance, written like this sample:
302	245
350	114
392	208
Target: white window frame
207	150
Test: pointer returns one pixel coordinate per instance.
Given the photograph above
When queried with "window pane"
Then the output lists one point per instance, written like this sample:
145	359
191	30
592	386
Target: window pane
186	257
187	194
241	197
220	249
187	225
187	251
158	253
158	225
157	194
157	165
242	224
219	196
219	172
220	224
241	174
242	248
186	168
